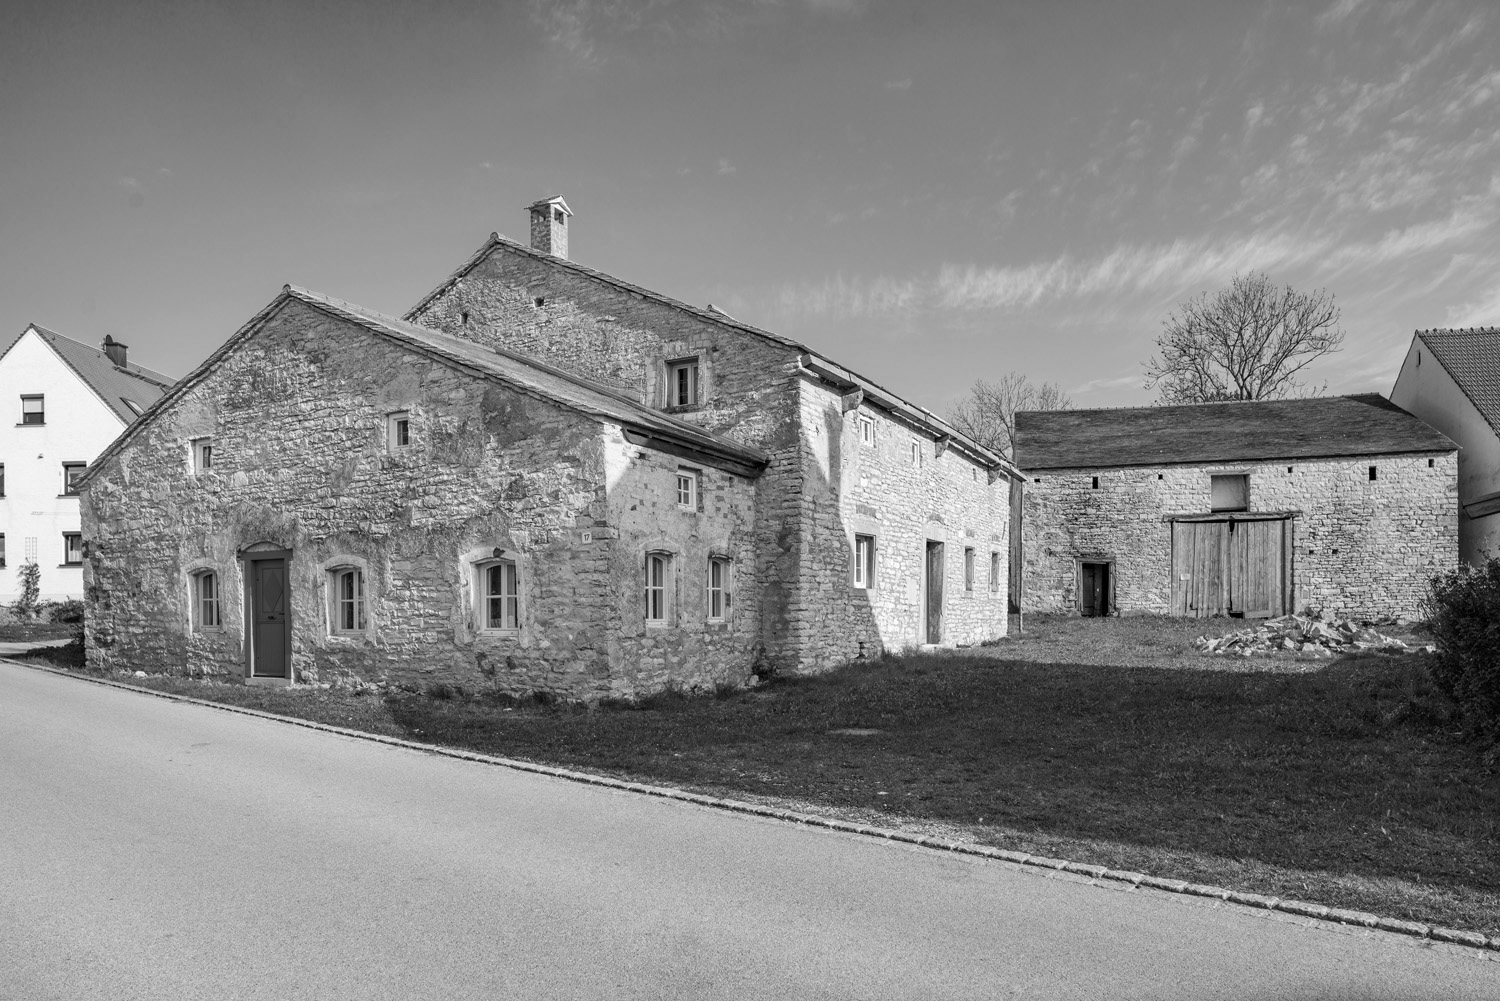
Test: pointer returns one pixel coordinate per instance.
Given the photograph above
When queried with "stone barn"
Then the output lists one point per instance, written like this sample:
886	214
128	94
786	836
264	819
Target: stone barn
542	478
1254	509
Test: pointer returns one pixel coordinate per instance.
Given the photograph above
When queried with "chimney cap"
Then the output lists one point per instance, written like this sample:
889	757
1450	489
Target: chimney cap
556	201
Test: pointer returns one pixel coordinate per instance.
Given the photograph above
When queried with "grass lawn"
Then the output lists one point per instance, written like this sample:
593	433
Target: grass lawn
1105	741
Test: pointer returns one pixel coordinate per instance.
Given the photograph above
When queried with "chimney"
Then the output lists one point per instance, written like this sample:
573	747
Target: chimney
115	350
549	226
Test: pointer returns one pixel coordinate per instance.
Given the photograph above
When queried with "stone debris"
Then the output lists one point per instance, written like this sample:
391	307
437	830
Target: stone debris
1315	636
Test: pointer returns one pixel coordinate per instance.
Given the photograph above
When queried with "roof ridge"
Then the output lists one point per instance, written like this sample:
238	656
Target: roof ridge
137	371
1211	403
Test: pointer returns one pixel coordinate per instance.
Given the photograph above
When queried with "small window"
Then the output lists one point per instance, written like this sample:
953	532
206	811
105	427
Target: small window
539	301
500	593
203	455
71	472
866	430
398	429
1096	483
135	407
33	410
687	489
2	549
968	568
864	561
1430	464
346	605
916	453
658	590
995	572
206	609
682	383
718	589
72	549
1229	493
2	478
1372	474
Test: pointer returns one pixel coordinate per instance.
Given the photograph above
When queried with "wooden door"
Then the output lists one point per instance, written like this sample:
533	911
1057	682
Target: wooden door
1256	574
271	637
1093	596
934	592
1200	568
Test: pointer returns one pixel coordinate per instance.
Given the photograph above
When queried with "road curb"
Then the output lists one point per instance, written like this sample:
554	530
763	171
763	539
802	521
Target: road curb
1095	873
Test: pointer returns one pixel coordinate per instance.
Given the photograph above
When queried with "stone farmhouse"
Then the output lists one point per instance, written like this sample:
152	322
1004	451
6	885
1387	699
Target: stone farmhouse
1342	503
542	478
67	402
1451	379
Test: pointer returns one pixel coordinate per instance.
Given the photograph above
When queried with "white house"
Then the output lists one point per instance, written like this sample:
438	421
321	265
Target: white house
1451	380
61	403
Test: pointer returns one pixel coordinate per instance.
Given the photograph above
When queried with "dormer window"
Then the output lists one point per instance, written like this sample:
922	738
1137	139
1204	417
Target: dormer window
682	383
34	409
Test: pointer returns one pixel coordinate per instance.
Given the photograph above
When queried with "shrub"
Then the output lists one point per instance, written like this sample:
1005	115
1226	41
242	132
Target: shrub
29	577
1463	613
66	611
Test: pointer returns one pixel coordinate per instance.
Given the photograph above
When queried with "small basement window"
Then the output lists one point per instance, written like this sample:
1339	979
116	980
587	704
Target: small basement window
1229	492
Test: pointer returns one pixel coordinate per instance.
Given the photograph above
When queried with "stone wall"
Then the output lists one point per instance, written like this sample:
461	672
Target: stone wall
1360	547
301	461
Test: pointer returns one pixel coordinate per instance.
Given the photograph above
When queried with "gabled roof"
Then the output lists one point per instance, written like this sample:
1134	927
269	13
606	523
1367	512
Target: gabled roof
1472	358
119	388
910	411
1321	427
521	373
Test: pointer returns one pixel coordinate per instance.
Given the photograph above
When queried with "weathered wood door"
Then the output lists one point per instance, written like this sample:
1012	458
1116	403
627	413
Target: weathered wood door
271	639
934	592
1230	567
1093	596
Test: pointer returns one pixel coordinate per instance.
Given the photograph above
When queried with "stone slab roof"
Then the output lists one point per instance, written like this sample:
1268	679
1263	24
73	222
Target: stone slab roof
1322	427
127	391
1472	358
515	370
926	418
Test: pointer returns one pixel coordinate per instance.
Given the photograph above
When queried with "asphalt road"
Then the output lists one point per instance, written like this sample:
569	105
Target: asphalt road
152	849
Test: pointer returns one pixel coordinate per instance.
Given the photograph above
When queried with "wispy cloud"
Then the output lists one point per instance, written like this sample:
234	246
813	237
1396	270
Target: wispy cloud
725	167
898	84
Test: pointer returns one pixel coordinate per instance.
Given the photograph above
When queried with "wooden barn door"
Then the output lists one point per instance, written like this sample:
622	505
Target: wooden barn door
1200	568
1257	562
934	609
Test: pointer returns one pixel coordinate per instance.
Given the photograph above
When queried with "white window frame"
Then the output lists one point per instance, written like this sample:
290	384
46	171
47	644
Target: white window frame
687	488
207	601
863	572
693	369
719	592
203	455
67	549
40	412
866	430
916	453
508	596
658	588
398	430
353	600
69	489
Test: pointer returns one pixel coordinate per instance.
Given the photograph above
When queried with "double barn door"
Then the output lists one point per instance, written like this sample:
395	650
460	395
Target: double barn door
1232	566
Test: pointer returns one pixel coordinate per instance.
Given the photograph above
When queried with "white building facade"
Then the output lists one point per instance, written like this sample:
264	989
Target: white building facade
61	403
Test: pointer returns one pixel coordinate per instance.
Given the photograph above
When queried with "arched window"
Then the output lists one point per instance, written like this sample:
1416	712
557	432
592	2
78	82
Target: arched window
346	600
658	588
206	610
499	595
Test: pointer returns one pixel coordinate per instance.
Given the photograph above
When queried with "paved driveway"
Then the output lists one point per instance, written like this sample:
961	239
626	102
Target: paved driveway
151	849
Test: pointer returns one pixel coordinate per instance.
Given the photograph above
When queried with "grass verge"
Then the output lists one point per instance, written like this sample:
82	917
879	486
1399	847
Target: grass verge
1346	783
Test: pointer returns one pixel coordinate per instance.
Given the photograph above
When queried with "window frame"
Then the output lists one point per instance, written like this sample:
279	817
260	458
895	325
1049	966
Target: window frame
67	549
994	571
867	430
70	485
691	477
693	366
510	601
862	566
202	603
968	569
202	454
1214	506
2	479
40	413
723	592
356	603
658	588
2	550
398	430
916	452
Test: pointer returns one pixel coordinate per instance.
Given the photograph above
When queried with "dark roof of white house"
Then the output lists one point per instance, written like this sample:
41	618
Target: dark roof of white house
1472	358
515	370
909	411
127	391
1320	427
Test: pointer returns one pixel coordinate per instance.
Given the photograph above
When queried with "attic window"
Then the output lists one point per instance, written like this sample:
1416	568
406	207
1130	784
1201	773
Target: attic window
682	383
135	407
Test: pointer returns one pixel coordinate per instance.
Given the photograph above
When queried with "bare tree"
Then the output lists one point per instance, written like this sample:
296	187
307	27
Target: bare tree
1246	342
988	413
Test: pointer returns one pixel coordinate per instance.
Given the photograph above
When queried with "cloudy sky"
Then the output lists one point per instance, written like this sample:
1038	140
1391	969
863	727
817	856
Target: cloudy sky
928	192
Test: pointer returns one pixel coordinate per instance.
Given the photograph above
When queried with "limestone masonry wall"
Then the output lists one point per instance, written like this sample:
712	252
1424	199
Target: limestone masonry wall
1360	547
297	414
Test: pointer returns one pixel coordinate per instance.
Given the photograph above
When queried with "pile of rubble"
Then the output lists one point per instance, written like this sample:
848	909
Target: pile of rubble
1317	636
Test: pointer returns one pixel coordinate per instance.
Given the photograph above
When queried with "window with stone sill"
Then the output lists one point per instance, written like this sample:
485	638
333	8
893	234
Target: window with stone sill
866	430
206	608
398	430
499	596
346	601
203	455
718	589
684	388
658	589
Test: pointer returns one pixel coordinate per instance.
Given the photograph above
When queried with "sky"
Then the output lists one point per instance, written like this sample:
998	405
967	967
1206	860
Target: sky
929	193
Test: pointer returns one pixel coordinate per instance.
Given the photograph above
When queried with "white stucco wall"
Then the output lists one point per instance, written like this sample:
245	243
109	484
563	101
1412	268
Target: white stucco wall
78	427
1429	392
